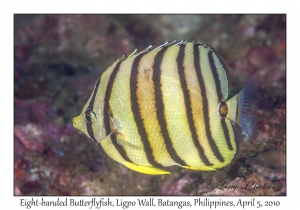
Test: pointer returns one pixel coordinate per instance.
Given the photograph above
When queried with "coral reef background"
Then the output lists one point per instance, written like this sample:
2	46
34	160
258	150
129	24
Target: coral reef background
57	60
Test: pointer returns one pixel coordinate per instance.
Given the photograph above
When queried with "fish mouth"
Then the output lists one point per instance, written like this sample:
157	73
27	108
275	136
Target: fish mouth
76	122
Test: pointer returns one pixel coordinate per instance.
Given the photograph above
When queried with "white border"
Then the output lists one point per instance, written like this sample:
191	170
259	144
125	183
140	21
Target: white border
8	201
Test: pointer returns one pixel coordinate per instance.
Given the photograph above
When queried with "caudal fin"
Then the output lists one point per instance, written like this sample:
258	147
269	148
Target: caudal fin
241	108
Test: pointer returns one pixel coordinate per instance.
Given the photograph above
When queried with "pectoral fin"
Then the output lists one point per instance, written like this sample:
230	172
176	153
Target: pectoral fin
122	140
116	128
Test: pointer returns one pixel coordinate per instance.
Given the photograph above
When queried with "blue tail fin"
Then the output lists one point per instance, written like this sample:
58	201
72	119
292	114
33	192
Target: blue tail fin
241	108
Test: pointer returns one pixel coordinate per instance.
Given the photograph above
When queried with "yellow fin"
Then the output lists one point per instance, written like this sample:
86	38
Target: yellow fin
145	169
202	168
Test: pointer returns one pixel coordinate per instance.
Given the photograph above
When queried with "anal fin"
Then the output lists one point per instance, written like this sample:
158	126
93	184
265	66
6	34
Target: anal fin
202	168
145	169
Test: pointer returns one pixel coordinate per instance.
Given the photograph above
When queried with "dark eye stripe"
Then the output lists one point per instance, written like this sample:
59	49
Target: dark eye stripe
91	104
87	114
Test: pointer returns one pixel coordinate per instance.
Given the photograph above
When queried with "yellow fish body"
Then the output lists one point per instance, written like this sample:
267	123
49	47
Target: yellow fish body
167	106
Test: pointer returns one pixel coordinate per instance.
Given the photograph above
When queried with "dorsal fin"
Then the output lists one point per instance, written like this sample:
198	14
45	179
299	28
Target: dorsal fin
149	48
152	48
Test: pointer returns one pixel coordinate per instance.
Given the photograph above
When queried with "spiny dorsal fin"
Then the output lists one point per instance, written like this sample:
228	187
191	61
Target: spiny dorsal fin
153	48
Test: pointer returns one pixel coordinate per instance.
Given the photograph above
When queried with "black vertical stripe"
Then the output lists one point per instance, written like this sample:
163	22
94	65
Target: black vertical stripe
205	104
215	75
87	112
237	115
226	133
187	102
106	112
91	133
137	114
92	101
160	108
235	136
224	66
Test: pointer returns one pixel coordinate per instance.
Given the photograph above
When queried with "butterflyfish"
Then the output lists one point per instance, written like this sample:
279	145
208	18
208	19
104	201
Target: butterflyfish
168	105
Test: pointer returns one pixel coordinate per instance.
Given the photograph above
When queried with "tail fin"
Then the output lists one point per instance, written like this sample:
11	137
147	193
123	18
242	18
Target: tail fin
241	108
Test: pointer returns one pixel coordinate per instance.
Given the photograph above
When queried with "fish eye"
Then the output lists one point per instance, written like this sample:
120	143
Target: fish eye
88	118
89	115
